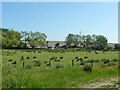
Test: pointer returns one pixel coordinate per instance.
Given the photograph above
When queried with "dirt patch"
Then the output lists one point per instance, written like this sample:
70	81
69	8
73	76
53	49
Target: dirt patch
107	83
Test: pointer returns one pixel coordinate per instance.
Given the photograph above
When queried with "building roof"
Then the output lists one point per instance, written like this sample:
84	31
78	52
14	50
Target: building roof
111	44
52	43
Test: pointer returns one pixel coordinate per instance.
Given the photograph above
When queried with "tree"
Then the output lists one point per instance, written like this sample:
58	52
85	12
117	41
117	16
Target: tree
69	40
84	40
10	38
88	40
80	40
24	34
117	46
57	44
75	39
94	39
101	42
36	39
47	43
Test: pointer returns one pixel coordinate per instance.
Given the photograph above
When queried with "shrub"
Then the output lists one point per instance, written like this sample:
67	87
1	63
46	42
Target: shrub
28	67
112	64
57	60
14	62
48	65
96	60
14	52
37	63
86	62
82	63
85	57
81	59
89	51
105	50
10	60
22	57
28	51
28	57
76	57
39	51
59	66
53	58
115	60
96	52
103	60
106	61
61	57
34	57
87	68
91	61
103	65
78	49
45	62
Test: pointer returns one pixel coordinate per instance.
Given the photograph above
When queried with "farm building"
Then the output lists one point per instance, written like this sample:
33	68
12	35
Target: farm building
51	44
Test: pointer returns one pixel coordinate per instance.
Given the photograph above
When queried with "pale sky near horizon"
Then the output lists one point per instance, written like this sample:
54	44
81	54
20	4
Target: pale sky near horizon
59	19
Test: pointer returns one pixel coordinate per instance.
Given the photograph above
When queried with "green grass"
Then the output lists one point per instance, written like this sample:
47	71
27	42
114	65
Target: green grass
15	76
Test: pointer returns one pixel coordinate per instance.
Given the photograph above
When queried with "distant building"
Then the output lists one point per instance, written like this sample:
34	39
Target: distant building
51	45
111	44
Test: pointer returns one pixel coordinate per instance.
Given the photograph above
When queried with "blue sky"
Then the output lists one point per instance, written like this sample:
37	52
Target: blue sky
58	19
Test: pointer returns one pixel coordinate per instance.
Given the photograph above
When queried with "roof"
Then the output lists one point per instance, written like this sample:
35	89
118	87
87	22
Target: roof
62	43
52	43
111	44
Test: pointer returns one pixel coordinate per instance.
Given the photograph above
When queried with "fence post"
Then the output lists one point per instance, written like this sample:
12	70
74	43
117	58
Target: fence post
49	62
23	64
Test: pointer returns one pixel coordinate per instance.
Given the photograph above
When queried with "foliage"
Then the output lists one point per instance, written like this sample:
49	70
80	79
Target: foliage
87	68
10	38
28	67
98	42
59	66
69	40
36	39
117	46
101	42
57	44
15	39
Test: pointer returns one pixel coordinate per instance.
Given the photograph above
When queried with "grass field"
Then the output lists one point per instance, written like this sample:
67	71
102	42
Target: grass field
38	73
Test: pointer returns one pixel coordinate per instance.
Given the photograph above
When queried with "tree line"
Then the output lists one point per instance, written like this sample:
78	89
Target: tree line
98	42
14	39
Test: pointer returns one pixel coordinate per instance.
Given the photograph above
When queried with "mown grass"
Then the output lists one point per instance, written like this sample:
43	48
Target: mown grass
15	76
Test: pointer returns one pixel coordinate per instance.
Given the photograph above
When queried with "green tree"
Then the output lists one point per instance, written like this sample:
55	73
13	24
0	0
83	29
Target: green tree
10	38
101	42
69	40
75	39
94	39
88	40
84	40
24	35
117	46
47	42
36	39
57	44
